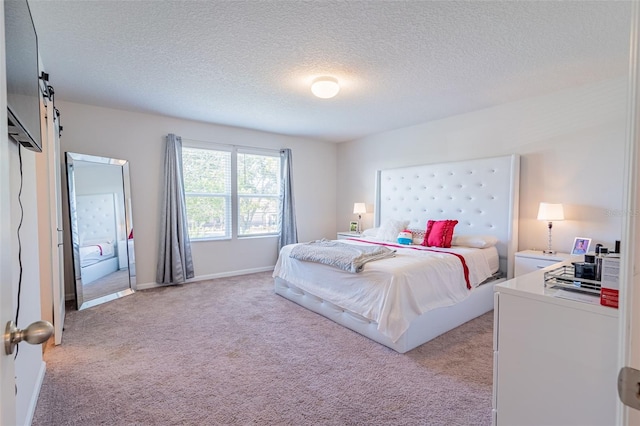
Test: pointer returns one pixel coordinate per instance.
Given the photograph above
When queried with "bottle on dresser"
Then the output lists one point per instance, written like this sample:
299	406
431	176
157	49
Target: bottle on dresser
601	252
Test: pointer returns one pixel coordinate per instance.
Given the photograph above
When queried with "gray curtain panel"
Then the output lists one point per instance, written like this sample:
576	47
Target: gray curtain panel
175	264
287	215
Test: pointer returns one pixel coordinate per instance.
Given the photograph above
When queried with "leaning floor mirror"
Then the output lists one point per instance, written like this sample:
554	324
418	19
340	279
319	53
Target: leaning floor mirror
101	228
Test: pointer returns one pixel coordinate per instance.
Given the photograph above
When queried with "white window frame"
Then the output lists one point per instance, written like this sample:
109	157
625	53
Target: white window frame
234	201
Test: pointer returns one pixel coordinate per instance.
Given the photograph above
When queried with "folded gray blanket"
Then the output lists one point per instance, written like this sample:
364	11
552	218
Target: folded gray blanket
348	257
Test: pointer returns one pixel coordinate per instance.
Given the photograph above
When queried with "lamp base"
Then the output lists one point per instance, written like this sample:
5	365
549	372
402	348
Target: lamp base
549	251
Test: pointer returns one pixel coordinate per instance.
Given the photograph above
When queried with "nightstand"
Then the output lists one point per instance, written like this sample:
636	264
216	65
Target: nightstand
346	234
531	260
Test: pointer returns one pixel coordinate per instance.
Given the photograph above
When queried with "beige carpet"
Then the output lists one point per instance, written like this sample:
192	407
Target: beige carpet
232	352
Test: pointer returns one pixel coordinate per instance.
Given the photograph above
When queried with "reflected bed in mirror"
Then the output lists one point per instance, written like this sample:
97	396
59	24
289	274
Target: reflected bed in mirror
101	228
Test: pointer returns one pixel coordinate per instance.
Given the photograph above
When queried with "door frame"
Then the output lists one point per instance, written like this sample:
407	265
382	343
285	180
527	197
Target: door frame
628	325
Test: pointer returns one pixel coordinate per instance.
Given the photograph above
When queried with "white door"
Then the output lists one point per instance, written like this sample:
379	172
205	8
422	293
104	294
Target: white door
7	368
7	372
629	326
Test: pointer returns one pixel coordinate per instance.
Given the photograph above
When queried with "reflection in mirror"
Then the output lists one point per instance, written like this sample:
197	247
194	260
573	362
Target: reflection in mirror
101	228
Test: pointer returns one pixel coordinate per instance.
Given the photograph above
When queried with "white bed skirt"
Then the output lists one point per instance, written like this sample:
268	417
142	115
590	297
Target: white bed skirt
98	270
424	328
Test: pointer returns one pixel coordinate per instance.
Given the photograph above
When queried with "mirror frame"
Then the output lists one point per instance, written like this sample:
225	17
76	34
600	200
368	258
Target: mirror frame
70	158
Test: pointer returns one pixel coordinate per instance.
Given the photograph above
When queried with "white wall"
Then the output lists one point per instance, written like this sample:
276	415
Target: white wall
140	138
571	146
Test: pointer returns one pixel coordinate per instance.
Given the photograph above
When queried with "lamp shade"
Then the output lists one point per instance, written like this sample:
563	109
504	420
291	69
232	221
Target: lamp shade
359	208
325	87
550	212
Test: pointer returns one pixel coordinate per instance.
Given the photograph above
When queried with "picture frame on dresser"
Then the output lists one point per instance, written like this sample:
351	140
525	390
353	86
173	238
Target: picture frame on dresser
581	245
353	226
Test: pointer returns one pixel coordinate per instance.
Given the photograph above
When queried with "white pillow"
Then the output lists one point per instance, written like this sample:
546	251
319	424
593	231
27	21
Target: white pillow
475	241
371	232
390	229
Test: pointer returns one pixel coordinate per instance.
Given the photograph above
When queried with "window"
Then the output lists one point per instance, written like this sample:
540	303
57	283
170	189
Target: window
230	192
207	187
258	193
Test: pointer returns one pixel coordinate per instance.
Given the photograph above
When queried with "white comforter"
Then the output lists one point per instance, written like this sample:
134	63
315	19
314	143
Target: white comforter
392	292
95	252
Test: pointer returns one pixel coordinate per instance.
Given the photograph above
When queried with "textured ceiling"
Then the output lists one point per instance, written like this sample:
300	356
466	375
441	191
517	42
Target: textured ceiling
250	63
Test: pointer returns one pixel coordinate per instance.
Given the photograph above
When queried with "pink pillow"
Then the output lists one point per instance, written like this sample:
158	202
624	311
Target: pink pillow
439	233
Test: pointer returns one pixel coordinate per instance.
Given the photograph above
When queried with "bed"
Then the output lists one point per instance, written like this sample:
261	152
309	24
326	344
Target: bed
97	232
481	194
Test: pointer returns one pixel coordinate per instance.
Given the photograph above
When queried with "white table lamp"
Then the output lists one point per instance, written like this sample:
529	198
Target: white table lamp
550	213
359	209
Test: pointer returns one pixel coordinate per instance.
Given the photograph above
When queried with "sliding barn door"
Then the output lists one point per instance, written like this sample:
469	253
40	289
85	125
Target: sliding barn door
55	205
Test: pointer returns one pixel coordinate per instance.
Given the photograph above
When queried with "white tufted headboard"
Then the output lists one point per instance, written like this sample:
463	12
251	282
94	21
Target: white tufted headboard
481	194
96	217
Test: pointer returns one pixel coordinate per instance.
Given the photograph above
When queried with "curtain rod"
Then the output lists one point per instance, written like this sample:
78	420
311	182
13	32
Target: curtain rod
233	145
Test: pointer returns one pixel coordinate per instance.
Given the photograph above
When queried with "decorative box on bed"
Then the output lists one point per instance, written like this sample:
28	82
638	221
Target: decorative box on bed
398	302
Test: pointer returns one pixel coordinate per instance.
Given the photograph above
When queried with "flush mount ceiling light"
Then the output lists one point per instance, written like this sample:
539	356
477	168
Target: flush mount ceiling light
325	87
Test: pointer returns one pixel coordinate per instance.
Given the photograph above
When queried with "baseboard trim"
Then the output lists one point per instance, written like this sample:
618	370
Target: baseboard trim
146	286
31	411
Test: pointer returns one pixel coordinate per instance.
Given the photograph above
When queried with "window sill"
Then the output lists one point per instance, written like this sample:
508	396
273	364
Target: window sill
243	237
249	237
206	240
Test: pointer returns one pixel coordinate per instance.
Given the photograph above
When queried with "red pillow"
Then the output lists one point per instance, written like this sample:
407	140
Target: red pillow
439	233
131	234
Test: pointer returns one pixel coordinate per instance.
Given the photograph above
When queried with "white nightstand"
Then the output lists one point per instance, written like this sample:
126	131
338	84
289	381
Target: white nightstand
531	260
346	234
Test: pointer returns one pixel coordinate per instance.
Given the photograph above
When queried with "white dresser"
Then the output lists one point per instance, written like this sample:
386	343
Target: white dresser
554	358
531	260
